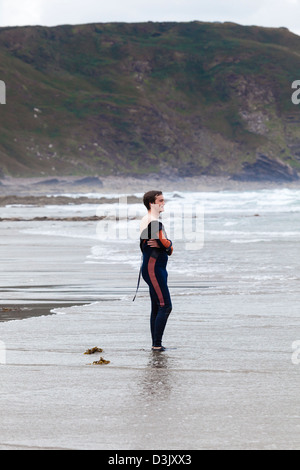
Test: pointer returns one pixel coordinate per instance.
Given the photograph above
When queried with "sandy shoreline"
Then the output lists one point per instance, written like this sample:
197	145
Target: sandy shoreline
9	312
228	379
41	192
41	200
121	184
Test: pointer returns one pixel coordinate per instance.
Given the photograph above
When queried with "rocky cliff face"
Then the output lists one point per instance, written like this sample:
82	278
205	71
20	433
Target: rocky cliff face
267	169
170	98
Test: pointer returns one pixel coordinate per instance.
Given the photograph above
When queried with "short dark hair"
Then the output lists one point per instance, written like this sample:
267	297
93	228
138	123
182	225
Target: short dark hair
150	196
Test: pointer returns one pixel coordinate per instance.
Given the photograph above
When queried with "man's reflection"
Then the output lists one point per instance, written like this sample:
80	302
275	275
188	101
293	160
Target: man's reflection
157	381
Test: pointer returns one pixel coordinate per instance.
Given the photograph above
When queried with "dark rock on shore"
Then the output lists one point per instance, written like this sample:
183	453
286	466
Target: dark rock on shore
60	200
49	182
89	180
267	169
86	181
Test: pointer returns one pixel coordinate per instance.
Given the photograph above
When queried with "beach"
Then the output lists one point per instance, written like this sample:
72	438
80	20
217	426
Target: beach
228	379
112	184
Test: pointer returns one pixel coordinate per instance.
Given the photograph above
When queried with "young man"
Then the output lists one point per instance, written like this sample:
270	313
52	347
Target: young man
156	248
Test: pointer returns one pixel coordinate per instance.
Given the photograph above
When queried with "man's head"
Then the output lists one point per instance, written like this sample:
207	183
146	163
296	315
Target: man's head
154	199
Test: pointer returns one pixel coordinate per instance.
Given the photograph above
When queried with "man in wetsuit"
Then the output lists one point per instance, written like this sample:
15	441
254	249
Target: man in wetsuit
156	248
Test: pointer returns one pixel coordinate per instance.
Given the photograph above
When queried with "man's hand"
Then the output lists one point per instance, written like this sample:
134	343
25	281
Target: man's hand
153	243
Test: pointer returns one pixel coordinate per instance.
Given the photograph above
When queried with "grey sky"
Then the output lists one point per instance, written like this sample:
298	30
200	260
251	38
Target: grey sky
273	13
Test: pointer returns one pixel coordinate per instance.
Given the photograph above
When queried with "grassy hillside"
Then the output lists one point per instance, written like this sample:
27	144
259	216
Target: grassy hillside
176	98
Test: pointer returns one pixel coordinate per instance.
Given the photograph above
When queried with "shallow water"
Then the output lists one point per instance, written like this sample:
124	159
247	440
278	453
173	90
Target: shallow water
227	380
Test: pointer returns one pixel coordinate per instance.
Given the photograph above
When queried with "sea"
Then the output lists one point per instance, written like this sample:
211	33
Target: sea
237	242
229	378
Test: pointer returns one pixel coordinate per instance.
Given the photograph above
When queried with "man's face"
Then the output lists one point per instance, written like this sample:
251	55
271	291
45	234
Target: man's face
160	202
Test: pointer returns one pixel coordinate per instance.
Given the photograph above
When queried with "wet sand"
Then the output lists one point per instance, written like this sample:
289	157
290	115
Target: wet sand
9	312
227	380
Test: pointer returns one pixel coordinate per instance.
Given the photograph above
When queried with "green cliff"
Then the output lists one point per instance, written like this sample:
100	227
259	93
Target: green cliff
174	98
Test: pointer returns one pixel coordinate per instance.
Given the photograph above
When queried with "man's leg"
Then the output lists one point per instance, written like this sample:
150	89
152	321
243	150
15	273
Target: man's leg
160	324
154	310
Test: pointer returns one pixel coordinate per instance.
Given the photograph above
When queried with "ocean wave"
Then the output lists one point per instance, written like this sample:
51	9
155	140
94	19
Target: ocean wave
263	200
257	240
102	254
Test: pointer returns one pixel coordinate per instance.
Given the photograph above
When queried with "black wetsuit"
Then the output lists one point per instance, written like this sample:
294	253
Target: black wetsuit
155	274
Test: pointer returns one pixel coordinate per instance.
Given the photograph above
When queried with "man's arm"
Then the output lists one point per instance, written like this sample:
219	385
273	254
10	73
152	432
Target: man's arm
159	239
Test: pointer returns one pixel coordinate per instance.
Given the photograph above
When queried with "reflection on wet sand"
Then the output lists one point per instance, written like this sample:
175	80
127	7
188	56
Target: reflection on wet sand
157	380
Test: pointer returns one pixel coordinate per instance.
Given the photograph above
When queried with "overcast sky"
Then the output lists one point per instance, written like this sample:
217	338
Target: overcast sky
272	13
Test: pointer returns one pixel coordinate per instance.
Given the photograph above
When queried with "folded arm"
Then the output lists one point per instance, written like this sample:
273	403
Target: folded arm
160	241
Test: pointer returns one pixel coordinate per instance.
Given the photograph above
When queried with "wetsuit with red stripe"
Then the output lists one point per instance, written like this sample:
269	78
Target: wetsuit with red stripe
155	274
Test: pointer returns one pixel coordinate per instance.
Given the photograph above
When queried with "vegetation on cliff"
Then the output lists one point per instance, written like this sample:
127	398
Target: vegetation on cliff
175	98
